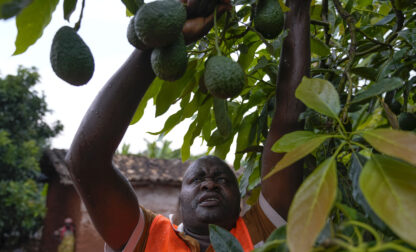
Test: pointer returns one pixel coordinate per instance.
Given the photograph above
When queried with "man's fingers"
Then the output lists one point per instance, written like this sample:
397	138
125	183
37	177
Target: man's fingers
197	27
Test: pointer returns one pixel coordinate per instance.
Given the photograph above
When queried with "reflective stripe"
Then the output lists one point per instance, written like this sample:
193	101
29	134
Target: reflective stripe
137	233
270	213
134	237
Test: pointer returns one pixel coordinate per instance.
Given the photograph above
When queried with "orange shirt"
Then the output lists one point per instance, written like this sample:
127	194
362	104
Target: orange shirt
260	221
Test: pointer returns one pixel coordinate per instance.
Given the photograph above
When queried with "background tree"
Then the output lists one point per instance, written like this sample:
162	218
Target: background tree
23	136
358	144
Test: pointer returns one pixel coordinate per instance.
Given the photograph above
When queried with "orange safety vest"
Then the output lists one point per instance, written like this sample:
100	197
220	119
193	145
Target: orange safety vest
163	236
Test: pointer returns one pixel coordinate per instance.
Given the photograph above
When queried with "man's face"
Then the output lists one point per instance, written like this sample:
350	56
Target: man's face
209	195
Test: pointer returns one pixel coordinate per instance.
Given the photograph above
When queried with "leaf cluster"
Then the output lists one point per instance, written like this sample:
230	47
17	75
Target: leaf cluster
23	135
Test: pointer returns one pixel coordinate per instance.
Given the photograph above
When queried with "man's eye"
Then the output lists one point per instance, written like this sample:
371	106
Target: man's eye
196	180
221	180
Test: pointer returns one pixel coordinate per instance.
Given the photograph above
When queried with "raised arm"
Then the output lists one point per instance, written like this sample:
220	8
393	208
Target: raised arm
280	189
108	197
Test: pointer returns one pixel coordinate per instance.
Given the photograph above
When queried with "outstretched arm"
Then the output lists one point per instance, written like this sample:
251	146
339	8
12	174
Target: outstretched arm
280	189
108	197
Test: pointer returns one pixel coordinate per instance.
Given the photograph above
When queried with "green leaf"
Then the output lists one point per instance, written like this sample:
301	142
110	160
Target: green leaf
297	153
283	6
245	59
204	117
396	143
10	8
319	95
319	48
409	36
216	139
187	142
131	6
171	122
292	140
151	92
69	7
311	205
31	21
222	118
357	165
378	88
170	91
243	138
276	242
221	150
368	73
222	240
390	189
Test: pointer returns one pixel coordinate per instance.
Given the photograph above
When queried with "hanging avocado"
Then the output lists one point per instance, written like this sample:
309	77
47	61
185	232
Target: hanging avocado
70	57
159	23
268	18
223	77
170	62
132	37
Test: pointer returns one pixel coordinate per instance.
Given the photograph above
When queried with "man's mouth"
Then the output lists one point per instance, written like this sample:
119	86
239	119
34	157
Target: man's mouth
209	200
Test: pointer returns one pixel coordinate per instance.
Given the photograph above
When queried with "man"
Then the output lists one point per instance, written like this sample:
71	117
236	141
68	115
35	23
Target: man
209	191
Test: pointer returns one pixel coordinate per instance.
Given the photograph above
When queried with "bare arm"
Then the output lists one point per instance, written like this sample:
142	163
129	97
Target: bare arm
280	189
109	198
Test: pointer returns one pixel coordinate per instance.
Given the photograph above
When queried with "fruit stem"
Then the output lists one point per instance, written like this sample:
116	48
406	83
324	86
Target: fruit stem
216	33
78	24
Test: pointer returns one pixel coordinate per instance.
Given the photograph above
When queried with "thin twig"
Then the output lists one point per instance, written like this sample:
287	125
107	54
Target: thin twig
318	22
350	20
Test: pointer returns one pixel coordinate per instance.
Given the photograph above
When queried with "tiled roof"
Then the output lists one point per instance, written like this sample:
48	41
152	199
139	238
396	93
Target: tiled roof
137	169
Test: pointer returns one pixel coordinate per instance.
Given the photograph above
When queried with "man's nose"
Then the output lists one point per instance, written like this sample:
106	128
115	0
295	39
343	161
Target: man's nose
209	184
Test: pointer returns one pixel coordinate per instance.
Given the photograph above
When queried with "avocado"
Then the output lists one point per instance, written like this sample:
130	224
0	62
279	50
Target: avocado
170	62
132	37
395	106
407	121
223	77
268	18
159	23
70	57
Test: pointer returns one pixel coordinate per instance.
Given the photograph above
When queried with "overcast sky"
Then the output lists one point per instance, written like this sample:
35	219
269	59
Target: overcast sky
104	29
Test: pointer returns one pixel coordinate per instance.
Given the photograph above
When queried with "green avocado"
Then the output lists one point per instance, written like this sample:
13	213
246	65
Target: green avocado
223	77
407	121
132	37
170	62
70	57
268	18
159	23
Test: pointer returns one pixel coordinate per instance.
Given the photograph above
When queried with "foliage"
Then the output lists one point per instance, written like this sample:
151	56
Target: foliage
23	135
359	190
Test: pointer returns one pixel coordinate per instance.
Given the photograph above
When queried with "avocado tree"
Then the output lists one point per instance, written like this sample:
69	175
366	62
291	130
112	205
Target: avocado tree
352	111
23	136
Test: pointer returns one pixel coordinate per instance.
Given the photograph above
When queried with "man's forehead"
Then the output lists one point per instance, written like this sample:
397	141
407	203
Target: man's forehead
208	165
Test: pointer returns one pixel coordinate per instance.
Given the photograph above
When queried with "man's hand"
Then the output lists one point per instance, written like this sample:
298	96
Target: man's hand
201	17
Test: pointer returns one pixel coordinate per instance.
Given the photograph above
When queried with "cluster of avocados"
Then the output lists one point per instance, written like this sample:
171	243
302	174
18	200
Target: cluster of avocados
158	26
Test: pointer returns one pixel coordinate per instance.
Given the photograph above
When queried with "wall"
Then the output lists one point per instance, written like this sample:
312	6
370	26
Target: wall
158	198
62	202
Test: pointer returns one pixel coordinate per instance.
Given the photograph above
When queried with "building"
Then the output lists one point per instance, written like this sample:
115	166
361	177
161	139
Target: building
156	183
